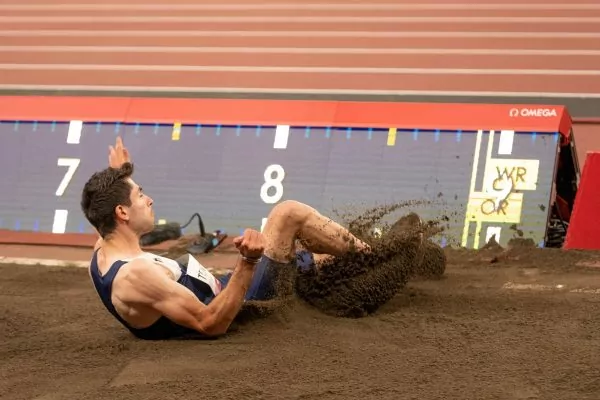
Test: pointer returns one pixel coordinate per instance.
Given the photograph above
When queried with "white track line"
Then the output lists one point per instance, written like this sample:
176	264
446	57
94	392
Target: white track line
289	91
307	70
537	287
295	6
292	50
302	34
297	20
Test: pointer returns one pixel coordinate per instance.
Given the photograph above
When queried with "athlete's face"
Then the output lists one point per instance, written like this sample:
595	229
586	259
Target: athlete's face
140	215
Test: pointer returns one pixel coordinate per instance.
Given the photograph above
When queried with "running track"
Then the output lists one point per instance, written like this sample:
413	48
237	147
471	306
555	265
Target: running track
535	48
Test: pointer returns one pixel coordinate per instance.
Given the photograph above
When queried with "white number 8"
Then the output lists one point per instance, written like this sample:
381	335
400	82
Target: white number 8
272	182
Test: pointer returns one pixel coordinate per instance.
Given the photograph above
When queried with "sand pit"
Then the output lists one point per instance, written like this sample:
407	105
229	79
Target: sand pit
486	330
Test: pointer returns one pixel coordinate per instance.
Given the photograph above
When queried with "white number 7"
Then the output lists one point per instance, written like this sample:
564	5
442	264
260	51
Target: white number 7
71	164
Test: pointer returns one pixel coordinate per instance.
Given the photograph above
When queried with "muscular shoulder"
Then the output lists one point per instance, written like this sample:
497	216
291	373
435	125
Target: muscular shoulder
136	271
141	282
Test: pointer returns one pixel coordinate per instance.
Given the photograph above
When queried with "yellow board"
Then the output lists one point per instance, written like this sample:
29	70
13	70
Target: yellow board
499	199
485	207
176	134
391	139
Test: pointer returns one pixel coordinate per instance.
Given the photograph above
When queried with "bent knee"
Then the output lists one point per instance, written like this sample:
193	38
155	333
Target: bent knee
281	230
291	211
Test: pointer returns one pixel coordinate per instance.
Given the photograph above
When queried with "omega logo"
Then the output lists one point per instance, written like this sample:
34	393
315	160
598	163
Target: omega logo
532	112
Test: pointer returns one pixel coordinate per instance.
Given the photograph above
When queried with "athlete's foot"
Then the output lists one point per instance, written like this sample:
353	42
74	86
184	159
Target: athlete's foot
408	226
430	261
408	229
406	222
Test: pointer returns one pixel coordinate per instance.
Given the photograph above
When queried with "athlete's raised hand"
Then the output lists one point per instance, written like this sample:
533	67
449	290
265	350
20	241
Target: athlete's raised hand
251	244
118	154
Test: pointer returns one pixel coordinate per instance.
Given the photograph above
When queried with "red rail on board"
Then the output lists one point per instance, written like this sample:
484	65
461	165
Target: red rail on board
518	117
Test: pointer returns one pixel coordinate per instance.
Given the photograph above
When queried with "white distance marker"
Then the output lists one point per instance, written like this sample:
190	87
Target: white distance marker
262	225
505	144
491	231
74	135
60	221
282	134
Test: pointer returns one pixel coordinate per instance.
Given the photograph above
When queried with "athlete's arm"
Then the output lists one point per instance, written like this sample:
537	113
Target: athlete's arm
144	284
117	156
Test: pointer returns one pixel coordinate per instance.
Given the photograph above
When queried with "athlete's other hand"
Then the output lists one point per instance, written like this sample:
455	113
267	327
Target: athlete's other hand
251	244
118	154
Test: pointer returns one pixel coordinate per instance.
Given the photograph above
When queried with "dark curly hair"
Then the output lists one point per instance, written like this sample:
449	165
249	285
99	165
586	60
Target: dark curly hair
102	193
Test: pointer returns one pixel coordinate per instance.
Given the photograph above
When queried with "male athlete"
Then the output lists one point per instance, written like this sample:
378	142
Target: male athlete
159	298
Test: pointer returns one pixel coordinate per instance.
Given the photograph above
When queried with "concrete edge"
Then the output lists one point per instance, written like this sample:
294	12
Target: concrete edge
45	262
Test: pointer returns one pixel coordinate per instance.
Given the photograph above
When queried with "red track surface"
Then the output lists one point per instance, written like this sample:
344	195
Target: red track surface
402	54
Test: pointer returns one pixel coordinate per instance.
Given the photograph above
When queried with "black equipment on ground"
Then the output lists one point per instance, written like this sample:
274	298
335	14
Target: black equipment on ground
173	230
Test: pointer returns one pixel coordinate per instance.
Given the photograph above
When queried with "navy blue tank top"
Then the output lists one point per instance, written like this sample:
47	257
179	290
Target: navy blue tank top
163	328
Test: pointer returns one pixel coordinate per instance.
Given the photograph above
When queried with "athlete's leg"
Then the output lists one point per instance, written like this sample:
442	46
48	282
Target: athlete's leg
288	222
358	284
291	220
328	244
409	225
